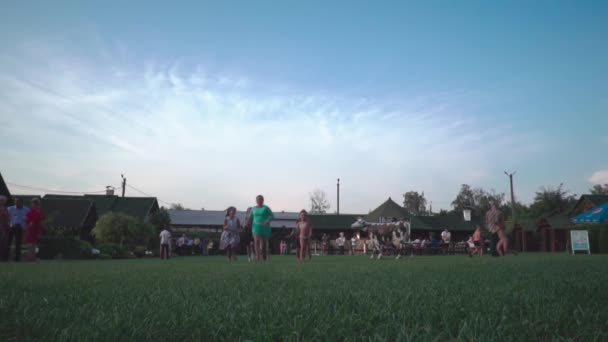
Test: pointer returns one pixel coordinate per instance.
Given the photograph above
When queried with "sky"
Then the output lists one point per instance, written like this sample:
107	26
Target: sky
209	103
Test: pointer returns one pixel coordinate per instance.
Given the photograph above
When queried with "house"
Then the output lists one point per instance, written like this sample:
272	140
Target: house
5	192
387	211
139	207
77	216
333	224
547	233
587	202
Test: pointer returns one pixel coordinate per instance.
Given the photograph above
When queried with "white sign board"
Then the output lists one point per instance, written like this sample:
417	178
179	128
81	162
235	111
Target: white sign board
580	241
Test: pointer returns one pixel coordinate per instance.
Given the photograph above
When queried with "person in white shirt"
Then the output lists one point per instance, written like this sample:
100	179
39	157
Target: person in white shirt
16	216
340	242
165	241
446	236
181	243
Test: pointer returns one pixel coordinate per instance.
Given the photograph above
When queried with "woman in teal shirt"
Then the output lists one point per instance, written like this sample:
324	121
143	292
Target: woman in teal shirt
260	216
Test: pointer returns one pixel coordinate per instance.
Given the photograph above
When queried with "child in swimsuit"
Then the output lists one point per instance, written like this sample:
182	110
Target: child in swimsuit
304	226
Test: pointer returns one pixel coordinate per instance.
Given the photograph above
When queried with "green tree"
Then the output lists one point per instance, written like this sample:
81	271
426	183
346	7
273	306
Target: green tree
599	189
477	199
178	206
414	202
160	219
121	229
549	200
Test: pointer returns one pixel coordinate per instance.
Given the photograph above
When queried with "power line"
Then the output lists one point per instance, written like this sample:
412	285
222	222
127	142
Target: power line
54	191
147	194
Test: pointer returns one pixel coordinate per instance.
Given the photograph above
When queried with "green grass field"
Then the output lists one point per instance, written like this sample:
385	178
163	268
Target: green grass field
518	298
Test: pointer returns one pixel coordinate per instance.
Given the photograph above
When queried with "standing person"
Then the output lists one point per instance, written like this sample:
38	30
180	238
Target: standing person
261	216
477	241
493	223
325	243
33	228
247	237
5	224
294	238
230	239
446	236
340	241
180	245
165	240
197	246
16	214
353	244
305	229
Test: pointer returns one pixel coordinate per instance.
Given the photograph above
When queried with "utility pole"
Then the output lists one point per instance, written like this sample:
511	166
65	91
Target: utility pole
124	184
338	206
513	218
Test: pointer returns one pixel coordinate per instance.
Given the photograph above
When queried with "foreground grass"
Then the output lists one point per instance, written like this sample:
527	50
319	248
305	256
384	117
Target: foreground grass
524	298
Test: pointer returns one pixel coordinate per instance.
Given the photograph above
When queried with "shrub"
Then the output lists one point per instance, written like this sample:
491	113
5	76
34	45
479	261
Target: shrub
110	249
51	247
139	251
104	256
122	229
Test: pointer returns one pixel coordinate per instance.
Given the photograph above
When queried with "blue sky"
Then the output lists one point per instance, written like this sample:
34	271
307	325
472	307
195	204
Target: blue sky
210	103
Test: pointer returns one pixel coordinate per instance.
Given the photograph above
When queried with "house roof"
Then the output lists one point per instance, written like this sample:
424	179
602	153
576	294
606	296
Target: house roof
5	192
205	218
139	207
453	222
388	209
333	221
69	213
596	200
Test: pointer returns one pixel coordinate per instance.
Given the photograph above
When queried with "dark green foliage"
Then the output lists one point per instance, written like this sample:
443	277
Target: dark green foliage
532	297
603	240
124	230
51	247
160	219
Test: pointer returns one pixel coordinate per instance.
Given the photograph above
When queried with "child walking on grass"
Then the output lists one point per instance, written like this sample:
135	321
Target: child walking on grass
230	239
304	227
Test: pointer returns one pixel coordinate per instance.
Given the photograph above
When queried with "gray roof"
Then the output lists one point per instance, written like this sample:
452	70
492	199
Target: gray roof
205	218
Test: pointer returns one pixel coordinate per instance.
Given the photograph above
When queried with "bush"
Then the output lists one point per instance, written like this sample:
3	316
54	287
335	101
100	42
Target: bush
108	248
104	256
51	247
139	251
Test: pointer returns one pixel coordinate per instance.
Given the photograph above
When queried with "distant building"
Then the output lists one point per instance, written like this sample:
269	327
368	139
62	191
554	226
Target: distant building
139	207
77	216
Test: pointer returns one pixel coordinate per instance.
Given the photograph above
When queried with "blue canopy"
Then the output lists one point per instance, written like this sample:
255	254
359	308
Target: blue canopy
595	215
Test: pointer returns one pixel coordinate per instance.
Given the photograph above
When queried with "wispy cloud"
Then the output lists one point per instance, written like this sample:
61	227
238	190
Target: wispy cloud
208	139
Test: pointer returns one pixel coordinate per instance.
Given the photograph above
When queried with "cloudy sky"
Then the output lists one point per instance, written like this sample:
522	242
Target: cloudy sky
210	103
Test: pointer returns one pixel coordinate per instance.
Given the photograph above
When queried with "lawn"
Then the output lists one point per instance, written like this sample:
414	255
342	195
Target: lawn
527	297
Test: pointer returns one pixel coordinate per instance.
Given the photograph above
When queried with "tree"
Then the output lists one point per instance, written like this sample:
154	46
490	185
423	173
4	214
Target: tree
599	189
318	202
120	229
178	206
551	200
477	199
414	202
160	219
